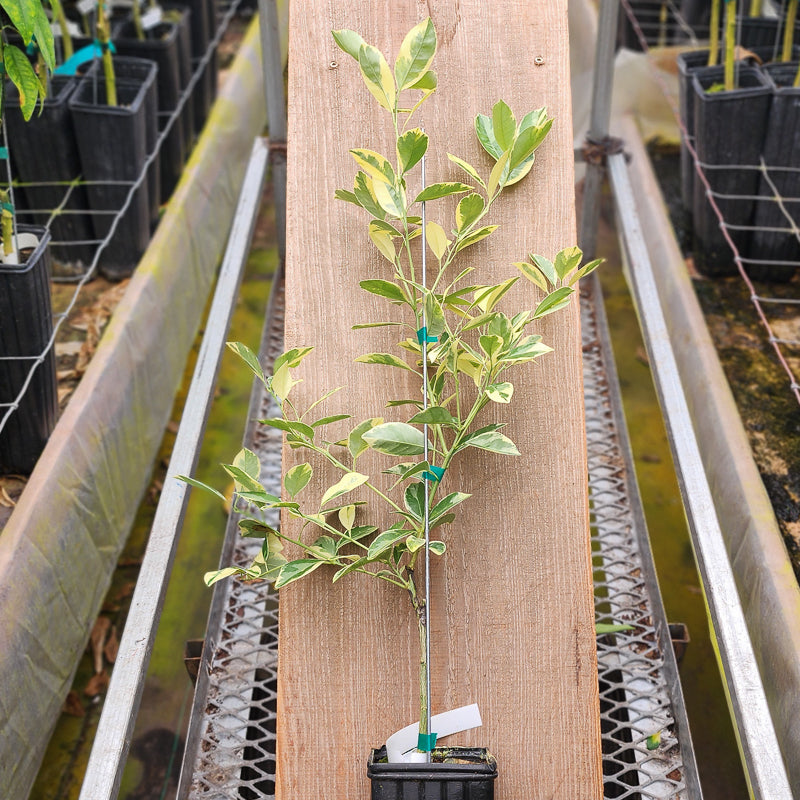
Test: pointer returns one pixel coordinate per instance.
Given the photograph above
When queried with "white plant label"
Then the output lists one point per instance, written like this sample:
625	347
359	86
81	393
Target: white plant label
86	6
402	745
152	17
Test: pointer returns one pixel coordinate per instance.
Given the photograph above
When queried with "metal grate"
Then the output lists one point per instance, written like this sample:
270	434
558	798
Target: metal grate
230	752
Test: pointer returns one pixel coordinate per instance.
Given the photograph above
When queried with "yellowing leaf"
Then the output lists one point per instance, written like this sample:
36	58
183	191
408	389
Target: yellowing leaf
437	239
352	480
383	242
377	76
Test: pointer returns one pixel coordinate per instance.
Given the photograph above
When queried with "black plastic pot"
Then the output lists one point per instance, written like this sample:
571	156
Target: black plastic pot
26	325
729	134
113	143
687	64
160	46
456	773
656	19
781	150
181	16
44	150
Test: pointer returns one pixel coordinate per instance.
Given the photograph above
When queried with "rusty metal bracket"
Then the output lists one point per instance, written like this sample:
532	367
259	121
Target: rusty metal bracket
597	151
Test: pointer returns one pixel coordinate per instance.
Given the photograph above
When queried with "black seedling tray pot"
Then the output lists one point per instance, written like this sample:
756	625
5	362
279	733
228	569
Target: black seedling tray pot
687	64
26	325
729	134
781	149
114	143
456	773
44	150
160	46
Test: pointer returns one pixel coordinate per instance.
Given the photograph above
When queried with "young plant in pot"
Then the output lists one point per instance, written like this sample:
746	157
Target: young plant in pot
25	313
730	111
457	349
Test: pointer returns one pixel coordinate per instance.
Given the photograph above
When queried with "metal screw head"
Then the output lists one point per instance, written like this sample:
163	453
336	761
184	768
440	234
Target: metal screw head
538	61
333	65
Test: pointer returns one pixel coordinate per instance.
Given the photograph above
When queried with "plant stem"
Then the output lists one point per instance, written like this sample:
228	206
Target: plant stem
108	64
419	609
713	44
730	42
6	223
788	31
137	20
796	82
61	18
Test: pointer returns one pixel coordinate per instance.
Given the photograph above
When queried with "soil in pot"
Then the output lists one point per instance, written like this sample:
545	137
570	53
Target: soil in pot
44	151
729	134
160	45
113	143
455	773
774	239
26	325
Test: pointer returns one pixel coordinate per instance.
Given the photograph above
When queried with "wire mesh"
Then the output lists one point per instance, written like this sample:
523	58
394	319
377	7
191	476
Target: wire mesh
757	228
82	268
646	744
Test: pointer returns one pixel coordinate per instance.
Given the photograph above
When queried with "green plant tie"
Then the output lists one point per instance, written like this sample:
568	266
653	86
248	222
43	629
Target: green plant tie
422	336
70	66
435	474
426	742
3	152
7	207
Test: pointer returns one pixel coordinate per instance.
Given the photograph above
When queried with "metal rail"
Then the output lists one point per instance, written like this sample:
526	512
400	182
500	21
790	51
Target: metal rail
115	729
761	752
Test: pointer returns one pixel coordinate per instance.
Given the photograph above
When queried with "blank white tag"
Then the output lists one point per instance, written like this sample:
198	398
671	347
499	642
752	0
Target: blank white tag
402	746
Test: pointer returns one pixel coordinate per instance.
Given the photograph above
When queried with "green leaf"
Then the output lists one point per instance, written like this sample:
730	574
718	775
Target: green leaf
435	415
585	270
328	420
364	190
390	199
21	73
554	301
468	210
500	392
349	41
476	236
30	19
427	83
504	125
493	441
395	439
490	344
347	516
468	168
385	541
254	528
546	267
416	54
298	428
448	503
292	358
324	547
377	75
356	564
297	478
244	482
210	578
411	146
360	531
247	461
437	239
485	132
414	543
383	241
533	274
437	548
249	358
434	316
527	142
348	197
496	175
387	359
374	165
414	500
567	260
443	520
355	441
294	570
437	190
487	297
351	480
204	486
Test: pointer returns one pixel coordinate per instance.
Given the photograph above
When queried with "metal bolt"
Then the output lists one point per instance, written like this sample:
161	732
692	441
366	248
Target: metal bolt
539	60
333	65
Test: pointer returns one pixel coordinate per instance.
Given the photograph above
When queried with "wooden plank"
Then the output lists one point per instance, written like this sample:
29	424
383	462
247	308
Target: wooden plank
512	617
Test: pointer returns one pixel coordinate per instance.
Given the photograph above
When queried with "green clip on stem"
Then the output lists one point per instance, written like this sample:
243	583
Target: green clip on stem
3	152
422	336
435	474
426	742
7	207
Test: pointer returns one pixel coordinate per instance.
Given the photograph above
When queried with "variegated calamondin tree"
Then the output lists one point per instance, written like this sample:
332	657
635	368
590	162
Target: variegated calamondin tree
455	341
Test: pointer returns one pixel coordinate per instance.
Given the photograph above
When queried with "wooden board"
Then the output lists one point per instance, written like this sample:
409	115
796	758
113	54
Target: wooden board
513	625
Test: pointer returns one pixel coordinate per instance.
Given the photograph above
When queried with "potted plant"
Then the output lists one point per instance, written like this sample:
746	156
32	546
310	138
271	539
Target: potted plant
114	113
456	345
730	109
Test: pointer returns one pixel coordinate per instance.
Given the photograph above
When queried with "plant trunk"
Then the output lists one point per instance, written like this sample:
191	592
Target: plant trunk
788	31
730	42
713	43
104	37
7	223
423	672
61	19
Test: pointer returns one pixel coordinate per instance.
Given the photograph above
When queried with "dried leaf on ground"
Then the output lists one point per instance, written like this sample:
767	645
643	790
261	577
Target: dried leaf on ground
112	646
97	684
97	640
73	705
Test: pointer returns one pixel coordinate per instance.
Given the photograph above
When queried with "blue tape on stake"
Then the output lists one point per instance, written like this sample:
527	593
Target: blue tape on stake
93	50
435	474
422	336
426	742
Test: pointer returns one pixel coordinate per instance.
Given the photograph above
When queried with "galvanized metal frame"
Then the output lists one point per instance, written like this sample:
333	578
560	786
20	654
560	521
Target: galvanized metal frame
115	729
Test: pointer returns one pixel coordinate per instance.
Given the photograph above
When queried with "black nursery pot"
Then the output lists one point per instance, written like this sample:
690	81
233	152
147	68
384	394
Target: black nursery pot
161	46
781	149
729	134
455	773
113	143
687	64
44	150
26	325
181	17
